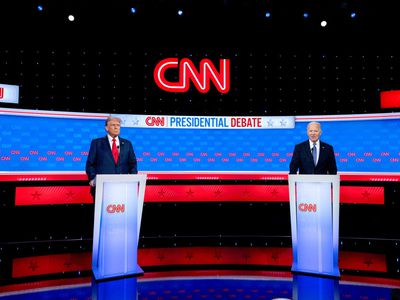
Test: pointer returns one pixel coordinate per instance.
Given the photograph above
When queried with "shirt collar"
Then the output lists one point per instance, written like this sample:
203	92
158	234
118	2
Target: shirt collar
312	144
110	139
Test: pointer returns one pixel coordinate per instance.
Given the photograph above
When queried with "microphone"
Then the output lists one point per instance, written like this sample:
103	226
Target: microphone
118	147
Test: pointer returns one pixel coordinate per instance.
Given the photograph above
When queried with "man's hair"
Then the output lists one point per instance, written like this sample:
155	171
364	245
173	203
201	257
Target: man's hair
314	123
113	118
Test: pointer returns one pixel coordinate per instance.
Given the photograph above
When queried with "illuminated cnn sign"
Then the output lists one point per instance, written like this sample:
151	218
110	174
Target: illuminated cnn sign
115	208
201	78
307	207
9	93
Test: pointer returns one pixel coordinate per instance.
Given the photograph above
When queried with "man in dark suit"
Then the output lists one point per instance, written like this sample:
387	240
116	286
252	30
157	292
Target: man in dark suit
313	156
110	154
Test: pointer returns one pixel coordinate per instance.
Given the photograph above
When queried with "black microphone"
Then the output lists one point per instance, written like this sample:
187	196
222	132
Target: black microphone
118	147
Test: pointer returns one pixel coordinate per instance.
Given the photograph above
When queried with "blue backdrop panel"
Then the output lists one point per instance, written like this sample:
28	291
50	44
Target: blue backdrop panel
30	143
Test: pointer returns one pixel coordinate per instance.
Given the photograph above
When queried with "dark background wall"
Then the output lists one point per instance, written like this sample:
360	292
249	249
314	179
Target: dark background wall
282	65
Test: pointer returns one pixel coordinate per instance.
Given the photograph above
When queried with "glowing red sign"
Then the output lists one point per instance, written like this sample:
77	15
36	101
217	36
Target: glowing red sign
188	72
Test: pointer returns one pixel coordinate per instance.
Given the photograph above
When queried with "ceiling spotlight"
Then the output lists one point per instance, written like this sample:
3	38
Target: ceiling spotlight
267	14
133	10
39	8
71	18
305	15
353	15
324	23
180	12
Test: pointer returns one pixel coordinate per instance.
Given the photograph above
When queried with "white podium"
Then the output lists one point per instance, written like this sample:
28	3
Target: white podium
118	213
314	216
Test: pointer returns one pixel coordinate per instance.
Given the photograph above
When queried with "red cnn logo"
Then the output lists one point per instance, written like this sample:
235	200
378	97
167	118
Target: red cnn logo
155	121
1	92
115	208
188	72
306	207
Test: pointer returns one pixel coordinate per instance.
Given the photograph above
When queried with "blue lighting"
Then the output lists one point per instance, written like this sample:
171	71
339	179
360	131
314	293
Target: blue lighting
39	8
267	14
133	10
180	12
305	15
353	15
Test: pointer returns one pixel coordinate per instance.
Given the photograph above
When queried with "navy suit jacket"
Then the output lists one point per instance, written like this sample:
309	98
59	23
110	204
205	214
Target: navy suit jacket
303	162
101	161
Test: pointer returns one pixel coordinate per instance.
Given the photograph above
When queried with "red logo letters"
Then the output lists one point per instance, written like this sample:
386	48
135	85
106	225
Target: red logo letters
188	72
307	207
115	208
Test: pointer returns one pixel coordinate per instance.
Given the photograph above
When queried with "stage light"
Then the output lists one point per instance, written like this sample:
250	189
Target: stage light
133	10
267	14
180	12
353	15
71	18
324	23
305	15
40	8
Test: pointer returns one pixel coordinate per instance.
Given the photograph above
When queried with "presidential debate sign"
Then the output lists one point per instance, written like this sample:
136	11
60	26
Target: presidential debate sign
34	140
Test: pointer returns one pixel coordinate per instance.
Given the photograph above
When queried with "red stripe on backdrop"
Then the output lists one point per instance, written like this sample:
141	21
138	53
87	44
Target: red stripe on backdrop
390	99
262	256
206	193
46	195
79	176
216	255
362	194
51	264
362	261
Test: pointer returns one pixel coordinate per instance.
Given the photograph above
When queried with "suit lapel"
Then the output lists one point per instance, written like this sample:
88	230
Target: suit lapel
122	147
322	152
308	152
108	148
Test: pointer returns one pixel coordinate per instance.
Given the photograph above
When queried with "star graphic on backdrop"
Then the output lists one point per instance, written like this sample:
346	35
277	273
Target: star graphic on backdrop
189	255
274	193
217	193
68	263
369	261
33	265
246	192
270	123
161	193
70	194
283	123
135	121
246	256
274	256
190	192
123	121
36	195
218	255
366	194
160	256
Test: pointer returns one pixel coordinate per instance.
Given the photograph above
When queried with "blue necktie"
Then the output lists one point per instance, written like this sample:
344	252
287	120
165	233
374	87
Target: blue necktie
314	154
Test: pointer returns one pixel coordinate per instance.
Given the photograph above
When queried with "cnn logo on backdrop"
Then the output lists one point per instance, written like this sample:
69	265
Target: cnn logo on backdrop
201	78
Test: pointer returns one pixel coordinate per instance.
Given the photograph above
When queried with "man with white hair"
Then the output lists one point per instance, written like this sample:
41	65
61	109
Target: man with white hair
313	156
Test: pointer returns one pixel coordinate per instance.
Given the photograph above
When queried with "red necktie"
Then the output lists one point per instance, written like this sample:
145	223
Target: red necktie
114	151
